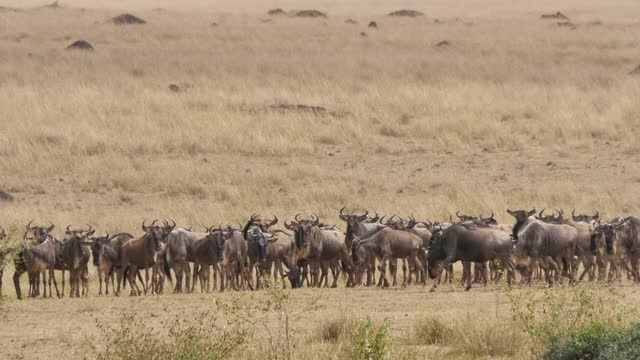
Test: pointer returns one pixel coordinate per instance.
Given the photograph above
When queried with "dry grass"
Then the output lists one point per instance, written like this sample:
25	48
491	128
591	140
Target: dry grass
516	112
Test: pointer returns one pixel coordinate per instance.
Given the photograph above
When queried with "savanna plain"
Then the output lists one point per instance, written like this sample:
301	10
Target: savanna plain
513	111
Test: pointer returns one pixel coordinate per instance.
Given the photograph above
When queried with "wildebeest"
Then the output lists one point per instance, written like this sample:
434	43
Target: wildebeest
605	248
180	252
106	258
470	243
544	243
75	255
235	258
627	233
322	249
33	235
261	254
140	253
388	243
209	252
361	226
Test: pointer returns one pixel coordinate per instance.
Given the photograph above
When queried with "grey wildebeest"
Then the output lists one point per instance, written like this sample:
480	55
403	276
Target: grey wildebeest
180	252
33	235
322	249
469	242
627	233
75	255
360	226
235	260
606	249
261	257
106	258
388	244
140	253
543	243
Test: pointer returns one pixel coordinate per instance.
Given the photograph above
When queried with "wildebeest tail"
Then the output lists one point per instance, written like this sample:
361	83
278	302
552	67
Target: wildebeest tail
167	269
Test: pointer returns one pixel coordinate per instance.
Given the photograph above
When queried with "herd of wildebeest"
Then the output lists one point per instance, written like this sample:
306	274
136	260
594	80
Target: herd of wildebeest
538	247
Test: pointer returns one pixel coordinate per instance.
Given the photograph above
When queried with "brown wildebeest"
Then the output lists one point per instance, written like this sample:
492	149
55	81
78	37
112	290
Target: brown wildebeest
361	226
140	253
209	252
235	259
545	243
33	235
323	248
470	243
75	255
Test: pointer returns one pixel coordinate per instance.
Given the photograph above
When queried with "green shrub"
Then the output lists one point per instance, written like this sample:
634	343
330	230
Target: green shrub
369	343
596	341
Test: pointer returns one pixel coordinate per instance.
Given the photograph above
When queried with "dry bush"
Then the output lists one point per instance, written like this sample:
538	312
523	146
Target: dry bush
336	330
430	331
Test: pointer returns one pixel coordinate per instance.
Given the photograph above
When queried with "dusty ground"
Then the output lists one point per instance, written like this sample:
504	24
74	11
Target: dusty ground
516	112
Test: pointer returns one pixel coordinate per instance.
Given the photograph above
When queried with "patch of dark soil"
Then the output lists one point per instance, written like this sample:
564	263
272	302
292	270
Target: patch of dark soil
5	196
557	16
635	71
373	25
351	21
406	12
443	43
80	45
127	19
277	11
310	13
174	88
568	24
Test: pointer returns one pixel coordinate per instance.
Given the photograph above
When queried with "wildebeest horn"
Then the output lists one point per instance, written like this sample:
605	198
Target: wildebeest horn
458	214
540	215
166	224
382	219
144	226
374	219
573	214
253	218
90	228
51	226
492	215
560	213
154	222
620	222
274	221
597	215
296	218
107	236
316	221
174	223
29	224
68	231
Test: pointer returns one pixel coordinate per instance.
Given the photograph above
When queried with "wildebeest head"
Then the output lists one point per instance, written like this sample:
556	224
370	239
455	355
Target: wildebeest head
263	223
557	217
37	234
262	239
158	233
76	240
464	217
216	236
584	217
521	215
435	256
302	229
608	231
353	220
97	248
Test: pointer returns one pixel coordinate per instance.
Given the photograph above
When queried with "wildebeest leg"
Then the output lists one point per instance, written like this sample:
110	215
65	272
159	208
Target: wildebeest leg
106	282
634	268
1	273
187	272
467	269
178	270
382	268
44	285
483	274
63	282
16	282
52	277
131	277
405	281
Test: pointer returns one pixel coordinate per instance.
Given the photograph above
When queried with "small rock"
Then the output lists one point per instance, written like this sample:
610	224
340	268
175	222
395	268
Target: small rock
80	45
